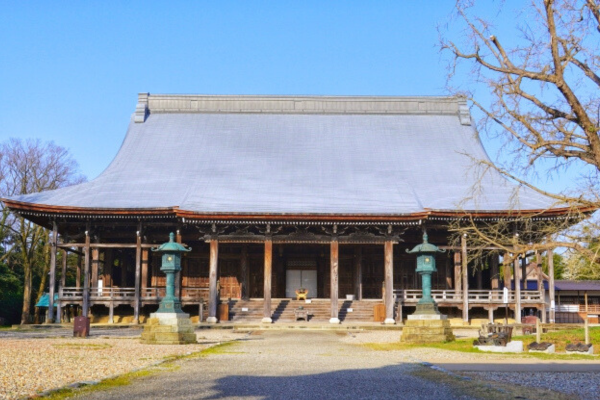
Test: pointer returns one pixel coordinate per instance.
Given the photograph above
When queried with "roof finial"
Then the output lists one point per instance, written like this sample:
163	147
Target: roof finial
171	237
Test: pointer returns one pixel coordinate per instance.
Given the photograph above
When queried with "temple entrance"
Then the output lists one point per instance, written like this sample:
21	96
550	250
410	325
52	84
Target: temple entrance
301	279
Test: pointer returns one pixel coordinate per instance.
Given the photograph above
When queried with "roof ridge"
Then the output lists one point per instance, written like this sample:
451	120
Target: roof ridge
281	104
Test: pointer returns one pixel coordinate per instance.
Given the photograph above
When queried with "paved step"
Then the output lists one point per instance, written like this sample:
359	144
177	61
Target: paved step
284	310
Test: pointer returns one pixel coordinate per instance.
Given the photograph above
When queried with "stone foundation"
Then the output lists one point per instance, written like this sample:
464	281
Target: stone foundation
427	329
169	328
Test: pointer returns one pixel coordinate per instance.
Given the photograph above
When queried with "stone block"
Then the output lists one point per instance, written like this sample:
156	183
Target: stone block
516	346
427	331
549	350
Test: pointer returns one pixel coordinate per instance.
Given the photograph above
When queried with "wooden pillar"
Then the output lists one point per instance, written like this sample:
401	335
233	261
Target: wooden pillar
585	300
517	274
212	281
108	268
245	272
358	272
524	272
138	272
267	280
334	267
507	272
78	272
491	315
144	283
63	283
178	239
95	265
479	279
52	283
448	274
550	257
124	264
494	271
540	285
389	281
111	312
457	273
465	279
86	276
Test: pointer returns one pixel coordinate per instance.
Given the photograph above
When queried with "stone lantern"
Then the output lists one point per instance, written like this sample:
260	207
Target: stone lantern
171	264
169	325
427	324
425	267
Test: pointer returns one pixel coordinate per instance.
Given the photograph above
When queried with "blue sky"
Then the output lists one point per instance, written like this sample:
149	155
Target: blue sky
70	71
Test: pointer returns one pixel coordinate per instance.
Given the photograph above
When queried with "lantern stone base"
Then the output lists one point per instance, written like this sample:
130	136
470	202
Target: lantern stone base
427	329
428	308
169	328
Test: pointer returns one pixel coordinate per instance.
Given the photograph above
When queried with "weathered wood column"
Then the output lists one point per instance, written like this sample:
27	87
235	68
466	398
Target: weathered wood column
491	314
507	272
358	272
457	274
267	280
178	239
95	267
63	283
86	276
334	270
465	278
494	270
540	284
108	268
78	272
517	273
245	272
52	284
550	257
138	273
144	283
212	281
524	272
389	281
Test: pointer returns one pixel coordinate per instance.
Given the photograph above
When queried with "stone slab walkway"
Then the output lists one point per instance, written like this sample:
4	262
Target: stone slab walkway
289	365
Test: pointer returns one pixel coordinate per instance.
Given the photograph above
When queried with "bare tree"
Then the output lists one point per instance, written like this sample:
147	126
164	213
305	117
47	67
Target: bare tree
544	107
29	166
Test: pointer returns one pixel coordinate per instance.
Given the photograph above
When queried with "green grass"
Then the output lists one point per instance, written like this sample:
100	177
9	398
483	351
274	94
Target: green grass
169	364
559	338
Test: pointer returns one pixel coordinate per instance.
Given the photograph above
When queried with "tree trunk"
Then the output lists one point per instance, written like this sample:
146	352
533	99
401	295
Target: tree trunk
27	289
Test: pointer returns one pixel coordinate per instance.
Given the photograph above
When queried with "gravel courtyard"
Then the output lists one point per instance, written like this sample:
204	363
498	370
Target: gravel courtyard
271	365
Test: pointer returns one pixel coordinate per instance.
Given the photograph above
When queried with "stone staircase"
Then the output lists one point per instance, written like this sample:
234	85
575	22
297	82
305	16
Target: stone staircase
251	311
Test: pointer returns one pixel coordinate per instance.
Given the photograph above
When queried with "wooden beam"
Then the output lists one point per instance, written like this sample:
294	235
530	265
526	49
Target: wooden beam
389	281
267	281
106	245
144	283
95	268
212	281
334	287
78	272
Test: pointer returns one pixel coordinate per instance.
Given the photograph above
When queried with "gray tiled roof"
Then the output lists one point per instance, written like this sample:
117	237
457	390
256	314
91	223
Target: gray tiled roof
390	160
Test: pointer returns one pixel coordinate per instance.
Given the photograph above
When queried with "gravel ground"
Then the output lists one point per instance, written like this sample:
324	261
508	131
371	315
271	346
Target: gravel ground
32	362
582	384
289	365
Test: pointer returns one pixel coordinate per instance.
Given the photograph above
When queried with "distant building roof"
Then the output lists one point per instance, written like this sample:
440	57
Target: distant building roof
296	155
577	285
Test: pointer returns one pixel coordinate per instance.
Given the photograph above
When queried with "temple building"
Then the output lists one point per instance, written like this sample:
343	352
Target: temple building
280	195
